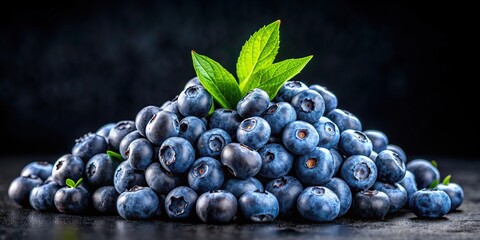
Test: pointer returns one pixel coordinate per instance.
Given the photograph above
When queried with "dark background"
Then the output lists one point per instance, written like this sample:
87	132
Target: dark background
67	68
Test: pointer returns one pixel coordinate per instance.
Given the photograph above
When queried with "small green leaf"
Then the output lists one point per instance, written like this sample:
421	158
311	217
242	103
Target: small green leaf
271	78
114	155
69	182
217	80
259	51
79	182
446	180
434	163
434	184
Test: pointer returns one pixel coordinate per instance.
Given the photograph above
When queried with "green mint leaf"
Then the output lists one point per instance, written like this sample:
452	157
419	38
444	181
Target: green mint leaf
446	180
114	155
217	80
434	163
259	51
79	182
434	184
271	78
69	182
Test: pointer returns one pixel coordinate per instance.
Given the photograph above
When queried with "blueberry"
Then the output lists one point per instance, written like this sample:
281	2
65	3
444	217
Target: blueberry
359	172
211	142
396	194
105	130
328	133
225	119
391	168
279	115
253	132
217	207
118	132
71	200
43	170
343	192
67	166
330	99
193	81
137	203
286	189
144	116
354	142
399	151
379	140
161	126
253	104
290	89
309	105
316	167
242	161
238	186
176	155
408	182
425	173
129	138
258	206
371	204
430	203
20	188
180	203
276	160
205	174
42	196
140	154
161	180
318	204
104	200
344	120
300	137
194	101
89	145
126	177
337	160
99	170
455	192
191	128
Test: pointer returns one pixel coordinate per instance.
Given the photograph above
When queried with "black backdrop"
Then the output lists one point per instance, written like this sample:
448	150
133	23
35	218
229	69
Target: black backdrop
66	68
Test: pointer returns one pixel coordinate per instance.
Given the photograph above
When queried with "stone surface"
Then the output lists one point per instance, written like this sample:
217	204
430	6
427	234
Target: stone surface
19	223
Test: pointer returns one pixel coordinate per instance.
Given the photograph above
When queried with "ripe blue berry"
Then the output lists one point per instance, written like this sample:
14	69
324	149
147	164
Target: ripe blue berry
300	137
354	142
211	142
140	154
425	173
138	203
318	204
43	170
180	203
309	106
430	203
176	155
161	126
379	140
396	194
258	206
276	160
371	204
315	168
144	116
391	168
42	196
238	186
225	119
104	200
194	101
328	133
89	145
253	104
279	115
253	132
344	120
290	89
205	174
20	188
99	170
330	99
217	207
286	189
67	166
359	172
118	132
191	128
242	161
161	180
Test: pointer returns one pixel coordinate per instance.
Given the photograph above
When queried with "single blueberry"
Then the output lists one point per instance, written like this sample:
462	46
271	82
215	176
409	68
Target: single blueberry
211	142
258	206
67	166
359	172
309	105
315	168
330	99
290	89
253	132
430	203
225	119
242	161
176	155
254	103
396	194
354	142
104	200
129	138
20	188
217	207
89	145
140	154
161	126
126	177
425	173
191	128
328	133
371	204
455	192
276	160
161	180
391	168
205	174
43	170
71	200
100	169
180	203
194	101
144	116
379	140
300	137
279	115
318	204
118	132
42	196
286	189
137	203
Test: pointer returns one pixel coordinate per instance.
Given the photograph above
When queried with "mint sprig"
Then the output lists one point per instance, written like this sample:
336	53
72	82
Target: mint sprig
114	155
255	69
434	163
434	184
446	180
72	184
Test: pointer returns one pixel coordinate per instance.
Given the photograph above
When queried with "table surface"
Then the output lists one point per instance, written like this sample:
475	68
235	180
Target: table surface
19	223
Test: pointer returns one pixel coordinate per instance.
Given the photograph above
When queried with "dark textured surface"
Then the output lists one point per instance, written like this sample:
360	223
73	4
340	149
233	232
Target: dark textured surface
68	67
18	223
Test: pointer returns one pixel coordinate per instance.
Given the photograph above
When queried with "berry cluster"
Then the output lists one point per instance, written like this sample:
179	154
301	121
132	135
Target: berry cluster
298	154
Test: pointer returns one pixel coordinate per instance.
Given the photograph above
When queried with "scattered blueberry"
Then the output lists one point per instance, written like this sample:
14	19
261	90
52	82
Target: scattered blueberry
430	203
20	188
454	191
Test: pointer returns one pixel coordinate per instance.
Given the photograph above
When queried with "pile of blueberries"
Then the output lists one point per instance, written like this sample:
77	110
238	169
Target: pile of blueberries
296	156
